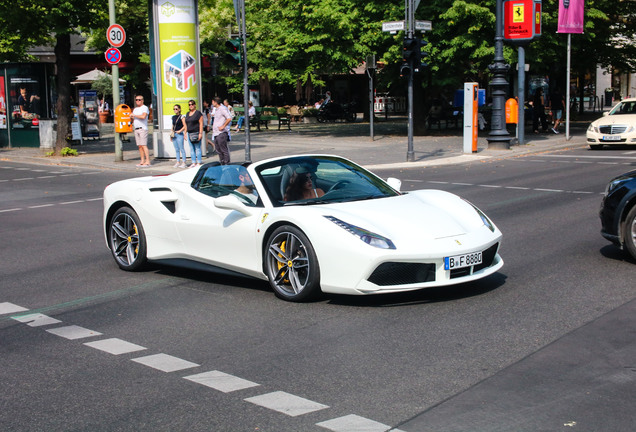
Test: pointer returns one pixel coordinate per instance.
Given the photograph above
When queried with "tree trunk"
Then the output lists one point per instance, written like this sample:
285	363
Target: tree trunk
63	106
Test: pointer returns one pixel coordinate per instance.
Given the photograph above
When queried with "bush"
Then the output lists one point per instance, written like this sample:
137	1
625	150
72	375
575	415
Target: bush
310	112
67	151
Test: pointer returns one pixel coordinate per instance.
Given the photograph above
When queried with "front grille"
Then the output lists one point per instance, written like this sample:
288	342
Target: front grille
613	129
396	273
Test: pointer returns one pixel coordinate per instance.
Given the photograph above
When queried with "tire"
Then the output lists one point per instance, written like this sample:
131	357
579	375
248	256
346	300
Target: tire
629	232
291	265
321	118
596	146
127	239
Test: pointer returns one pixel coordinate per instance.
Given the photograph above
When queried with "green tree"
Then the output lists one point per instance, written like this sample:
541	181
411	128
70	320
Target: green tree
36	22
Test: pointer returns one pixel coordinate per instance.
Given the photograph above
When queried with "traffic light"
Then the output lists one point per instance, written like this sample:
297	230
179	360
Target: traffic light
409	49
421	54
234	47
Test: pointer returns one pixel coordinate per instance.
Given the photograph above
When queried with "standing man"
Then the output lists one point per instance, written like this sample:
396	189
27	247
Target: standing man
140	124
220	129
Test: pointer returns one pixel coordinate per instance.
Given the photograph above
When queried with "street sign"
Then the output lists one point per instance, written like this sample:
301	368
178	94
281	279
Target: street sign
423	25
113	56
116	35
393	26
396	26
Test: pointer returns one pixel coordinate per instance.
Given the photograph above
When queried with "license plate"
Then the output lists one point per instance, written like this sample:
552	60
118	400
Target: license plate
459	261
611	137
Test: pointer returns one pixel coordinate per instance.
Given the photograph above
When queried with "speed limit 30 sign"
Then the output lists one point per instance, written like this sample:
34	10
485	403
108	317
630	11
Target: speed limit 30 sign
116	35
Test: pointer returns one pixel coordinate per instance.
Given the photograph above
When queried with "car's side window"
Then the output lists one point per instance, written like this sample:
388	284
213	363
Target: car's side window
221	180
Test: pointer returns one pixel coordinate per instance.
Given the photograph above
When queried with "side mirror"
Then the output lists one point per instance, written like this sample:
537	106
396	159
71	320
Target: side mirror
394	183
230	202
605	113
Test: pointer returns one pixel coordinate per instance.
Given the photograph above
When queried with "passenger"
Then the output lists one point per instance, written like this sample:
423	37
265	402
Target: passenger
247	185
301	186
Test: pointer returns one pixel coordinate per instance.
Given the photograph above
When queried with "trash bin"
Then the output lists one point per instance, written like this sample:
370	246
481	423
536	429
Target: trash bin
48	134
609	96
512	111
123	122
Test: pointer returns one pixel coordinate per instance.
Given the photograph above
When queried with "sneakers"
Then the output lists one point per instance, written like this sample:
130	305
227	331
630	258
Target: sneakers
182	165
176	165
555	131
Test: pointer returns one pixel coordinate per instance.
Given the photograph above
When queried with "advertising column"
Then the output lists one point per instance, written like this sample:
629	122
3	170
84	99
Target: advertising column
177	69
471	92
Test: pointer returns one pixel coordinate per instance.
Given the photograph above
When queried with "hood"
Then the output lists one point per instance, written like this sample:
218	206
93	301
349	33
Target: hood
424	215
616	119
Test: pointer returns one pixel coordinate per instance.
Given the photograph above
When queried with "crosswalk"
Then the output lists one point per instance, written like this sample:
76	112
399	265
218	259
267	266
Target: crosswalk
277	401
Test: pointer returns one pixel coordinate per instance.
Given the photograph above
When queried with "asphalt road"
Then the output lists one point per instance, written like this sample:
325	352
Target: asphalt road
546	344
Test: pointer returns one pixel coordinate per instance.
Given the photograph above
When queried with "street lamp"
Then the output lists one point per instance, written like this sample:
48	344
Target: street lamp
499	138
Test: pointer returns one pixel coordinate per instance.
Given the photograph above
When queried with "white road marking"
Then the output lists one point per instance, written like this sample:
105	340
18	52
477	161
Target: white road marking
548	190
95	199
24	178
36	320
7	308
73	332
517	188
165	362
40	206
354	423
46	177
11	210
286	403
115	346
221	381
490	186
72	202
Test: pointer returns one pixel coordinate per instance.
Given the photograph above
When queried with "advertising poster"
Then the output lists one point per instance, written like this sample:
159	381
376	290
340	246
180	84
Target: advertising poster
178	52
25	102
3	105
571	14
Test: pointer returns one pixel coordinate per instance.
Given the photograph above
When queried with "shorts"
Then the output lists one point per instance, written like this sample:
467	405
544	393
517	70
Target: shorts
141	137
557	114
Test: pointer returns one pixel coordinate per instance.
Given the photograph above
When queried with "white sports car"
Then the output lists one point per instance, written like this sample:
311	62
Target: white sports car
308	224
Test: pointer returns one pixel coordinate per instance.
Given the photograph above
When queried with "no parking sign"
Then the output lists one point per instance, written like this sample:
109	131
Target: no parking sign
113	56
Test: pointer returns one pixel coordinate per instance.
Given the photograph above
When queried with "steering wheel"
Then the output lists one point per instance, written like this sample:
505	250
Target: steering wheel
337	185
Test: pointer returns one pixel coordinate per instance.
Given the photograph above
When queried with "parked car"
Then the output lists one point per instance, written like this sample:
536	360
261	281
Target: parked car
307	224
618	126
618	212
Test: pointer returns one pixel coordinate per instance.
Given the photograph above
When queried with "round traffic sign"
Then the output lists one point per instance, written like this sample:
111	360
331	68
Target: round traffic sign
113	55
116	35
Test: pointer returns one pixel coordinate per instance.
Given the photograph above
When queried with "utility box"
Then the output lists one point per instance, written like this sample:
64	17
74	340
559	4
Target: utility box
123	121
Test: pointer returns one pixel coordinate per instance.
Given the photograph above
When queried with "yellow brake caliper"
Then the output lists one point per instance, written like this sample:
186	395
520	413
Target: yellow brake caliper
280	264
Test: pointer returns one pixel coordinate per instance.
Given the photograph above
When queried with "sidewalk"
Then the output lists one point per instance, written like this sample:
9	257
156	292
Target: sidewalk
351	140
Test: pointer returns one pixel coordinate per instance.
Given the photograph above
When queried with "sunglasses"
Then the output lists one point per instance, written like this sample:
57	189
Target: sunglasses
191	104
177	109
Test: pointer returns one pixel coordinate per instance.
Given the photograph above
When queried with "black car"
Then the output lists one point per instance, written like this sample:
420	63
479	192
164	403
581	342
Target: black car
618	212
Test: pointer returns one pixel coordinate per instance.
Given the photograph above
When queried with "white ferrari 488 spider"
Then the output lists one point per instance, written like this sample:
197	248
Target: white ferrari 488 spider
307	224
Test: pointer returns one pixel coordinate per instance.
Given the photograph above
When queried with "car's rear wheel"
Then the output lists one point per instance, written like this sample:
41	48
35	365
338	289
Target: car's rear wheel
629	236
291	265
127	239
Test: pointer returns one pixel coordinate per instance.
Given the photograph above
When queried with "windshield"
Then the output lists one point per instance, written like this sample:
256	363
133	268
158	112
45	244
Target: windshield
306	180
624	108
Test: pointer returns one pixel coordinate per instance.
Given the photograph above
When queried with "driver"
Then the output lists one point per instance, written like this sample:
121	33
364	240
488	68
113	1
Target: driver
247	185
301	186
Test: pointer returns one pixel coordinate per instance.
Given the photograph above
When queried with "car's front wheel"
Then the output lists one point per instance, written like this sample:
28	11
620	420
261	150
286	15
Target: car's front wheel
291	265
127	239
629	236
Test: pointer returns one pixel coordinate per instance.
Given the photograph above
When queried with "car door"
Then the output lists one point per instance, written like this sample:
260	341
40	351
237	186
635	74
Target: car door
221	237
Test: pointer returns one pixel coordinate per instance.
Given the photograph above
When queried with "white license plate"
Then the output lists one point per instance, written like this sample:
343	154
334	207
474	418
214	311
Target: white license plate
611	137
459	261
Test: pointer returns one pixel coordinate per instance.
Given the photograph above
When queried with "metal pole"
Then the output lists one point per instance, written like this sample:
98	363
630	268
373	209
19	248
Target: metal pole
410	16
370	73
521	94
246	90
567	90
499	138
119	155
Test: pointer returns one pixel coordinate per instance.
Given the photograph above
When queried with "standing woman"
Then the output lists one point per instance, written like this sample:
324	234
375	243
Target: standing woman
178	127
194	126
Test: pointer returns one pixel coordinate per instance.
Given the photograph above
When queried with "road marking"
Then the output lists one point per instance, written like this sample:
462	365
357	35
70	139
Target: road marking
286	403
95	199
221	381
489	186
514	187
356	423
517	188
72	202
52	204
43	177
36	320
115	346
73	332
549	190
10	210
24	178
7	308
164	362
40	206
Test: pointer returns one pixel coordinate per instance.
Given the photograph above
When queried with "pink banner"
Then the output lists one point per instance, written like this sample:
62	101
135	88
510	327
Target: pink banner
571	14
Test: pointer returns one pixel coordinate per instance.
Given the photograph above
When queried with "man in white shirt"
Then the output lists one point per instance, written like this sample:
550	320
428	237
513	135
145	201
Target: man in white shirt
220	130
140	125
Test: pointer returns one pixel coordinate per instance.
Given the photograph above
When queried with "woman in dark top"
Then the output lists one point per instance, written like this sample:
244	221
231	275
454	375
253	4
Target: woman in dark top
179	127
194	126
